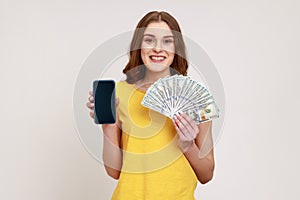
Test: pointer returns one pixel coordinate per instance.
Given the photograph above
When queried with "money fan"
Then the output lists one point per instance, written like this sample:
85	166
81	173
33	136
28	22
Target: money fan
176	93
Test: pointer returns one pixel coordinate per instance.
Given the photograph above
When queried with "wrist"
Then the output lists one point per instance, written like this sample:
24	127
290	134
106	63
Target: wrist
184	146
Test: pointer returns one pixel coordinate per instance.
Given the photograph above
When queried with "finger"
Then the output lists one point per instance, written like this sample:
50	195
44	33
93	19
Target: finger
178	124
179	132
182	128
189	120
193	128
117	101
185	126
92	114
182	138
91	99
91	93
90	105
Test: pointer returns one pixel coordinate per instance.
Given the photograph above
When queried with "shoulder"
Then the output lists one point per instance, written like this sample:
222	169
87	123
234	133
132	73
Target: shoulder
122	85
123	88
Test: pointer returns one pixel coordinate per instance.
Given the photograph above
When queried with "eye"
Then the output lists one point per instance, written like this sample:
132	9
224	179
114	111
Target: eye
149	40
167	41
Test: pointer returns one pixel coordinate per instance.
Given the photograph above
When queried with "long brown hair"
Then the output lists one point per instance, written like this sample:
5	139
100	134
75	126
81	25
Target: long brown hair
135	68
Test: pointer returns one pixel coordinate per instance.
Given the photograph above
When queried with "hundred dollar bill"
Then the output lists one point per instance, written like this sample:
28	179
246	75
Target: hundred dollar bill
209	112
155	107
176	93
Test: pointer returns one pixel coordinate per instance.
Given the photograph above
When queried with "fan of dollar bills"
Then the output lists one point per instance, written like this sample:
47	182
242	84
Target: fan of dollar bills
176	93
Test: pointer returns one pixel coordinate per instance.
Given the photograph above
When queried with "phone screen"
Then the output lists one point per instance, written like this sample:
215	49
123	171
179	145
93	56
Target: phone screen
104	99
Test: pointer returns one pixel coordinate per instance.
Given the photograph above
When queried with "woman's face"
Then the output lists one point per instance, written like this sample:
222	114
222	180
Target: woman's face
157	49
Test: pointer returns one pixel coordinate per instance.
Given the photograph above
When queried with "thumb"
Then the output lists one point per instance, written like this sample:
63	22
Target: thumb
117	101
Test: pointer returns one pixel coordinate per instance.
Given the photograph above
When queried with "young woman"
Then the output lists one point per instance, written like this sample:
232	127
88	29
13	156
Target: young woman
152	156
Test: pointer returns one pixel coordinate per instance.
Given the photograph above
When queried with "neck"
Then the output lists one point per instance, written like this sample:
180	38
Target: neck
151	77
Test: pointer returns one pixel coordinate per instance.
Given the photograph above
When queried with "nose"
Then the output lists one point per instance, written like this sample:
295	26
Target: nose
157	47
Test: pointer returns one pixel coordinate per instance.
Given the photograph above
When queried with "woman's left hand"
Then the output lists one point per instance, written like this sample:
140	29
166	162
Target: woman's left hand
187	130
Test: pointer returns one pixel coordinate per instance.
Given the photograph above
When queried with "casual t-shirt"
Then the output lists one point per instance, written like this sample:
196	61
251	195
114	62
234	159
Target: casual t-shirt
153	166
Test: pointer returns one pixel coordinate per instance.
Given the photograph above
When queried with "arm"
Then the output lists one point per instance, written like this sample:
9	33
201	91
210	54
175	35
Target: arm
112	153
203	165
192	139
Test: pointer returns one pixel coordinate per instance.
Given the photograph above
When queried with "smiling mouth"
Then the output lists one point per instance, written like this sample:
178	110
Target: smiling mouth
157	59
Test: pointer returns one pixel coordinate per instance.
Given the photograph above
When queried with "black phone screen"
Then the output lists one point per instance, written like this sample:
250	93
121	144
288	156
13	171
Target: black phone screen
104	99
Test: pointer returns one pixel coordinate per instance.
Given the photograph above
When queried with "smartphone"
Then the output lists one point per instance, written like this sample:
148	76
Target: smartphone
104	101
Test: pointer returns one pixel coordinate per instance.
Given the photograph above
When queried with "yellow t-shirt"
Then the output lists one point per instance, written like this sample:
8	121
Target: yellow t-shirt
153	167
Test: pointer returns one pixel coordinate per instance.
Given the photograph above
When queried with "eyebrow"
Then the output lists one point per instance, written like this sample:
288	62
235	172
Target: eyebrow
167	36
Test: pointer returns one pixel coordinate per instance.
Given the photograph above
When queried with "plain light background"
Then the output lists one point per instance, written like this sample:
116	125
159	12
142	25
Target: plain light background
254	45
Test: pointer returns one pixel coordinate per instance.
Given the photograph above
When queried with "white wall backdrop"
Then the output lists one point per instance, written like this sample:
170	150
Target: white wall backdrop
254	45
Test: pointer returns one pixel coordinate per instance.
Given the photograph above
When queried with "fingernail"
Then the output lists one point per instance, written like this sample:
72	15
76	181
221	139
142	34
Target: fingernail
92	104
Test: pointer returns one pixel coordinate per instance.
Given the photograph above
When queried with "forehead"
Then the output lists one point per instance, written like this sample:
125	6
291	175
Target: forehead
158	29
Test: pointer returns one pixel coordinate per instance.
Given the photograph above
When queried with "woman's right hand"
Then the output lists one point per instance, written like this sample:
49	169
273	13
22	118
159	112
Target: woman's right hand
112	154
90	104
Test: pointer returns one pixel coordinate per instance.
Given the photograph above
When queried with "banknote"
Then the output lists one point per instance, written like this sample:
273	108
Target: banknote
179	93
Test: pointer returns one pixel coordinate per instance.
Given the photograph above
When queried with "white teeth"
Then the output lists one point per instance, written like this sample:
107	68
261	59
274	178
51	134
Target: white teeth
157	58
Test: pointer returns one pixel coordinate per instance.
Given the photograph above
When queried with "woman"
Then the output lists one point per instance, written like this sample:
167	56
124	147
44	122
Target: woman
139	149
